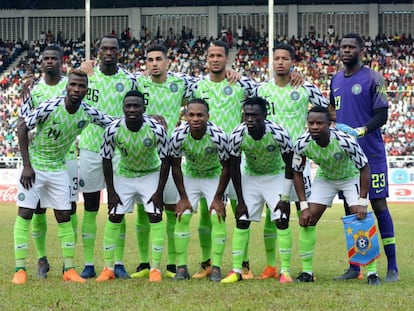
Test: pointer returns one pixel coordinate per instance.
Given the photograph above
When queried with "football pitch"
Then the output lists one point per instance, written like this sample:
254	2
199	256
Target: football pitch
138	294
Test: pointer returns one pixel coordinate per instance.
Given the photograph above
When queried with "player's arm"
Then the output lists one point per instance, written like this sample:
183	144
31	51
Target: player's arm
157	197
235	174
364	181
107	152
97	117
177	174
27	177
298	165
113	197
217	204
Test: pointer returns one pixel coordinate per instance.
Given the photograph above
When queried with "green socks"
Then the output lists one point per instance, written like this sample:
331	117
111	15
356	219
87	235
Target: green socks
269	237
111	232
307	239
204	230
240	239
120	243
219	237
89	235
39	230
157	240
171	220
21	237
285	248
142	228
182	238
67	241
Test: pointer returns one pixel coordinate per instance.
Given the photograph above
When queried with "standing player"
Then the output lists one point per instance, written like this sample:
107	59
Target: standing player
52	84
107	88
44	176
359	99
288	106
164	96
204	173
264	144
140	174
339	158
225	102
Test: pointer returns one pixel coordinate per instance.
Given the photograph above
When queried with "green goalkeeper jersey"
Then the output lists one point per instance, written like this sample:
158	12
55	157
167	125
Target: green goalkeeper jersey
106	93
340	159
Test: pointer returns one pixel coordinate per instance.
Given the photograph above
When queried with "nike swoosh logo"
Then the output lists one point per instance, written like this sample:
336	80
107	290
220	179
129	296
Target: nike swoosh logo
336	89
379	190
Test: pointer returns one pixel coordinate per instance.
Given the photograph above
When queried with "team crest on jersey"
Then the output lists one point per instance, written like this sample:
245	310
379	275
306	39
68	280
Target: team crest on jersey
209	150
81	124
147	142
64	92
119	87
173	87
228	90
271	148
81	183
338	156
22	197
356	89
294	95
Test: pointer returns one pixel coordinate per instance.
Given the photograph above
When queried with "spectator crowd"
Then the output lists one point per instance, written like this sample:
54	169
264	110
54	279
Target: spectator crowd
316	61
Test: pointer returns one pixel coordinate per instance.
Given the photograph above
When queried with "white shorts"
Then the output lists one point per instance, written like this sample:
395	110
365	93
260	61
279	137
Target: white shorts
258	190
51	188
170	191
138	189
73	172
198	188
324	191
91	177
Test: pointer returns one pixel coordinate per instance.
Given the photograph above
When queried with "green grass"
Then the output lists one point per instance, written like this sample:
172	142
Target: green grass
135	294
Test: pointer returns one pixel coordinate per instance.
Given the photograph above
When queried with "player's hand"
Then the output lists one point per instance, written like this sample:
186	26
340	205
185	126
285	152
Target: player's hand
218	206
360	211
232	76
113	201
296	80
182	205
27	87
305	218
157	201
282	210
88	67
241	210
361	131
160	119
28	177
347	129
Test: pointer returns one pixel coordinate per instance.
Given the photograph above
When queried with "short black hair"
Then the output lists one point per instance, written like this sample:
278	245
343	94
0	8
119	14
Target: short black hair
321	109
54	47
199	101
261	102
158	48
355	36
109	36
287	47
221	44
134	93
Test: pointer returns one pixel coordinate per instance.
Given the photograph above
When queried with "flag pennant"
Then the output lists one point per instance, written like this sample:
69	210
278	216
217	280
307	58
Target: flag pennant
361	239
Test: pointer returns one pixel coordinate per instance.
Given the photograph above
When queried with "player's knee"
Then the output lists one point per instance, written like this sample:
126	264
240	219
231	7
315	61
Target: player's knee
91	201
39	210
379	205
62	216
154	218
282	224
116	218
170	207
25	213
243	224
73	208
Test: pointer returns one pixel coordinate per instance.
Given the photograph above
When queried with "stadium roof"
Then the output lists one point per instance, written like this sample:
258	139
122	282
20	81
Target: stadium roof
79	4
